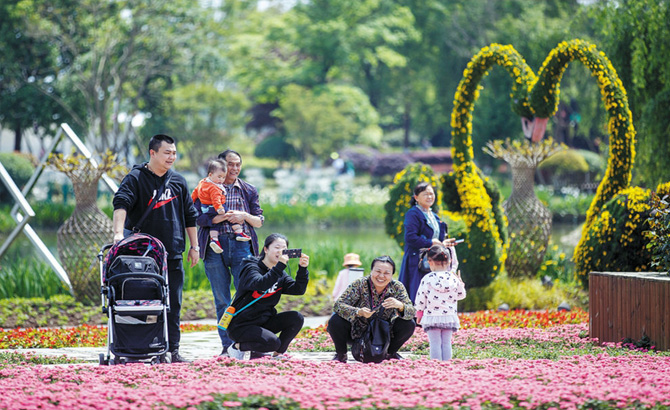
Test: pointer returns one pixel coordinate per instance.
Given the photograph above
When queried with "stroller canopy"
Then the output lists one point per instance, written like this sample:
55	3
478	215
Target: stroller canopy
138	244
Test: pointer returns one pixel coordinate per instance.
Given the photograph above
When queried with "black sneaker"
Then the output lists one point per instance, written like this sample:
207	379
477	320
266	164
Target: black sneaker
258	355
177	358
394	356
340	357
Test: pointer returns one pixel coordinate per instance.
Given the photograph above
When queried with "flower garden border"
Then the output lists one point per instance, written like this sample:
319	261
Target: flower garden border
629	305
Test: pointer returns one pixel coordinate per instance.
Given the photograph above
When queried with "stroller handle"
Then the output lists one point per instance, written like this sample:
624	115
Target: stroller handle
101	254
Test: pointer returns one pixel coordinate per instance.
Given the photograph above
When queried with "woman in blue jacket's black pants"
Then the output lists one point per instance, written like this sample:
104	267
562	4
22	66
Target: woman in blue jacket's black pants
263	281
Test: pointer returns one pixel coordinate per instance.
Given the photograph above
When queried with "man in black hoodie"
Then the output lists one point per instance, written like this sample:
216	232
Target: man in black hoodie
172	214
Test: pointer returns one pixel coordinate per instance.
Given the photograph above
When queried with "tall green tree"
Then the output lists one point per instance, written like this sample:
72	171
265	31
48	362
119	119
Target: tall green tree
111	55
26	78
203	107
636	37
322	120
359	43
365	43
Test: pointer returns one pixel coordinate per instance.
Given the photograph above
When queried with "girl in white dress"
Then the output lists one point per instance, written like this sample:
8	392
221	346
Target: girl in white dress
436	302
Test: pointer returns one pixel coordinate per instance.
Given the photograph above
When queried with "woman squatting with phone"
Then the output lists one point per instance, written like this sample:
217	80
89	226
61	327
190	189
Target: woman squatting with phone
263	280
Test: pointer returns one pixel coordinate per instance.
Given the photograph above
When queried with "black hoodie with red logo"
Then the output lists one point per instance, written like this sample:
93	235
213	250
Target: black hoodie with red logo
172	213
255	280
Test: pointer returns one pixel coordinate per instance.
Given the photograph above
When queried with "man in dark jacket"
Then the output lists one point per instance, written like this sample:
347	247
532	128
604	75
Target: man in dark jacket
172	214
243	209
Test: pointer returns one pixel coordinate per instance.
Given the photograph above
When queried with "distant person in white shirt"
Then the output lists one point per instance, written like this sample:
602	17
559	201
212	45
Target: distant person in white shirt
346	276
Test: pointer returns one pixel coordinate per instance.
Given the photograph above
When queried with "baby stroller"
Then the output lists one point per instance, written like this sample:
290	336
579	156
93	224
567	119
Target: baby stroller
134	288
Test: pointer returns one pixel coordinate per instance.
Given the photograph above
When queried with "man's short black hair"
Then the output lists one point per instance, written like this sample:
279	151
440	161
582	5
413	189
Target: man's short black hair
157	140
225	153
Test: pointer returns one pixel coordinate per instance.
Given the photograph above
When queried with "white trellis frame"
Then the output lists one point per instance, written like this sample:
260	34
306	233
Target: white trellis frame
22	211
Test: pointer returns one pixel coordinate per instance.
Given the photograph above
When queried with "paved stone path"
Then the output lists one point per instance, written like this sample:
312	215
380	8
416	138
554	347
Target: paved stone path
194	346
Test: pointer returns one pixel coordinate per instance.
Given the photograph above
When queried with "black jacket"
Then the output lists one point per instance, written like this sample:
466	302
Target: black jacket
255	279
173	212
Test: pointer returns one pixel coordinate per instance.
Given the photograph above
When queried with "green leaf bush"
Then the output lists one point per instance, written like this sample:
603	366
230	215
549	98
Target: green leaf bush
565	162
476	272
20	168
659	229
525	293
615	240
452	200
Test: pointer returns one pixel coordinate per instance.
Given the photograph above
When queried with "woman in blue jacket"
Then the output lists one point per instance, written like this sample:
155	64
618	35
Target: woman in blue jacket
423	229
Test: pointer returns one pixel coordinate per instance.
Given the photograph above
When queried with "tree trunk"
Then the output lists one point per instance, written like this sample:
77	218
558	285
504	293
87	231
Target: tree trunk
18	134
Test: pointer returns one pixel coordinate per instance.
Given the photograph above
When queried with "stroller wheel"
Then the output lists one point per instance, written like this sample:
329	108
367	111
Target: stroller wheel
123	360
162	359
112	362
102	360
154	360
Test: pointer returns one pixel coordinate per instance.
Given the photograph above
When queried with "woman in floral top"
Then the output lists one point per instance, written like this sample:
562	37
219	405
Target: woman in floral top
353	309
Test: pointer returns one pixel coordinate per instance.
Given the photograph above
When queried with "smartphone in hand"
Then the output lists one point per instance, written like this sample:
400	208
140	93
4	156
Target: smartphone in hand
293	253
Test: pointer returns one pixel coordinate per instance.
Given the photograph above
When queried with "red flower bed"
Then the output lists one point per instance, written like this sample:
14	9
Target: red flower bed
80	336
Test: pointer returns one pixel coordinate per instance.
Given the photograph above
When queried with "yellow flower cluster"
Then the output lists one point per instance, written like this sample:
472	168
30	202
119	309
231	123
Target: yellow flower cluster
615	240
76	166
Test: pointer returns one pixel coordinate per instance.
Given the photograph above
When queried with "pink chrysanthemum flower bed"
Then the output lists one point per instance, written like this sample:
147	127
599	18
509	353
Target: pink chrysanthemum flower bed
574	382
544	362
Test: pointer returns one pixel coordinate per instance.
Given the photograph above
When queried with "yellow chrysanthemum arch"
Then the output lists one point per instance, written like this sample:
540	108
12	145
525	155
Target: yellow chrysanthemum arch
536	97
484	238
544	102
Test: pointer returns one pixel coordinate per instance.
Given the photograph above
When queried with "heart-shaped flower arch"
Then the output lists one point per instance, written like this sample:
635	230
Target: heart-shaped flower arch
534	97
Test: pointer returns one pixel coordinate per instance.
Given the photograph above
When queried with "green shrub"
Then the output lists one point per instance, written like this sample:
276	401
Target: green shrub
565	162
28	278
556	266
452	200
596	162
568	208
276	148
476	272
527	293
304	213
59	310
659	229
20	168
615	241
63	310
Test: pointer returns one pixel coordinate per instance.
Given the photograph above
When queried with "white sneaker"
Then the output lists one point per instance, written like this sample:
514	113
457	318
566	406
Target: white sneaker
238	354
281	356
215	245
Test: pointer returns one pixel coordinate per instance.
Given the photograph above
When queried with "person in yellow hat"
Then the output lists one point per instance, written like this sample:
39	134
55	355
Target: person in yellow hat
347	275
